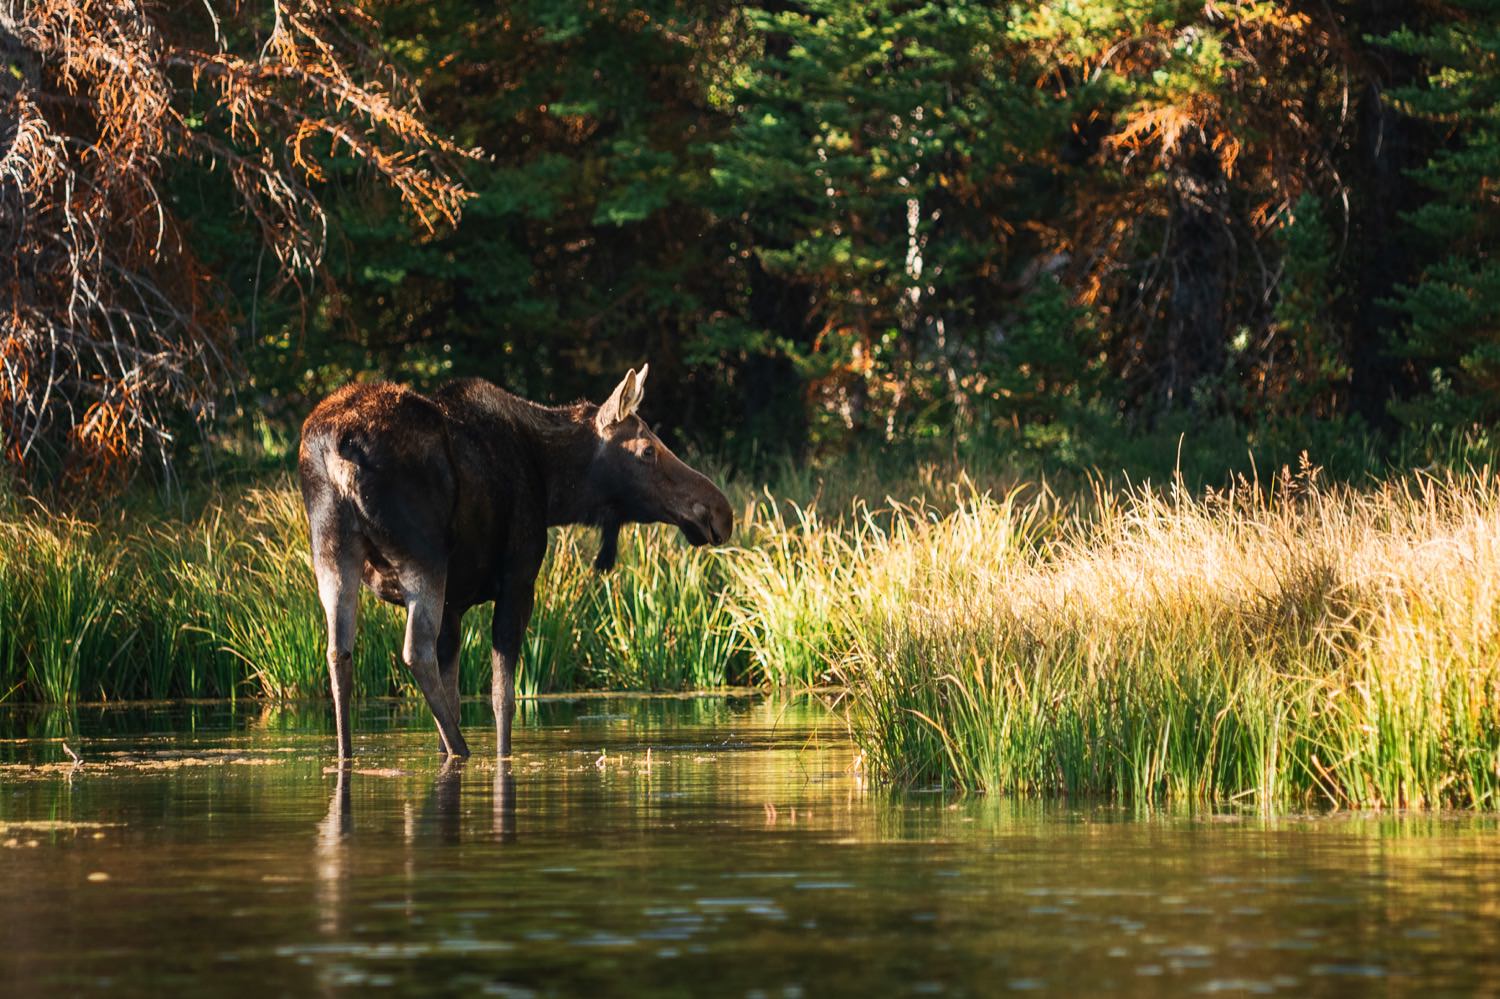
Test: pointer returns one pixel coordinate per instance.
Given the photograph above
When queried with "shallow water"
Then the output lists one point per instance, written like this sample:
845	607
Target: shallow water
668	846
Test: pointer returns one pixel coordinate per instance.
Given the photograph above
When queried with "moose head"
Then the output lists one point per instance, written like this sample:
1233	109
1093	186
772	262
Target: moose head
638	479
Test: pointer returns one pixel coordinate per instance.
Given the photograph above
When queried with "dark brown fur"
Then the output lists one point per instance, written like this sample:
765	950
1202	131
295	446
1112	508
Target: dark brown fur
440	503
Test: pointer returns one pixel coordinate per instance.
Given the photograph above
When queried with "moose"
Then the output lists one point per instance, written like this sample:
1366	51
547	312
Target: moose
440	502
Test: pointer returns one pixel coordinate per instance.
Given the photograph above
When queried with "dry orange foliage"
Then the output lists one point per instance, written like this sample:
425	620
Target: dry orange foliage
109	326
1198	171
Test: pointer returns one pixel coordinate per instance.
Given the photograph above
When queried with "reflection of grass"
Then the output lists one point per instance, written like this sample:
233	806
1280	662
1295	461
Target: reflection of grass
1297	642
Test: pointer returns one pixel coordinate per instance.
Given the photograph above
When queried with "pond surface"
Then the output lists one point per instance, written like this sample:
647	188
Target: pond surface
719	846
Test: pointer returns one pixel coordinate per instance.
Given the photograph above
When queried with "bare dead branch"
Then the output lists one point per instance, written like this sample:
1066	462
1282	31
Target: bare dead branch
110	328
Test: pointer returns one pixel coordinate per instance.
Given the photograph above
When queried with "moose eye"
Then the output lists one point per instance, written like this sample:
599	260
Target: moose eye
648	452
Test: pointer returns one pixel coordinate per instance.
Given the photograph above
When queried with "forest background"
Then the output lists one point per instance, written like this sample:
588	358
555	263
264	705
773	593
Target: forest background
1053	228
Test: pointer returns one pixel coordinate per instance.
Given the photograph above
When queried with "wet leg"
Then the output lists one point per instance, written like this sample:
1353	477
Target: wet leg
512	613
449	642
338	569
424	612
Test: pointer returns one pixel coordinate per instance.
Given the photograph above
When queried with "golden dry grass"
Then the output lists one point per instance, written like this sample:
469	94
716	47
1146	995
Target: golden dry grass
1296	643
1302	642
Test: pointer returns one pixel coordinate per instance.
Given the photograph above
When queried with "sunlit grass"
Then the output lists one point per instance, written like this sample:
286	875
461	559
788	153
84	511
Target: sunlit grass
1301	643
1290	643
661	620
789	579
224	605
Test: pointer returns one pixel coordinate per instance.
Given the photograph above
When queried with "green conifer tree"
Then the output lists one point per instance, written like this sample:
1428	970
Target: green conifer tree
1453	310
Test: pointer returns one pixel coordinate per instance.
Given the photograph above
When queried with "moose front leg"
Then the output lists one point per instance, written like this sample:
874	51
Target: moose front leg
449	642
512	613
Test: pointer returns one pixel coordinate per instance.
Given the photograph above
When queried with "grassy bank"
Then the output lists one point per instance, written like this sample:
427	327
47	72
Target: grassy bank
223	605
1296	642
1306	644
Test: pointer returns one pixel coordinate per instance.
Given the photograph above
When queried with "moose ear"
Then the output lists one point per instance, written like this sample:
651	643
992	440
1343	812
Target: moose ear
640	386
623	400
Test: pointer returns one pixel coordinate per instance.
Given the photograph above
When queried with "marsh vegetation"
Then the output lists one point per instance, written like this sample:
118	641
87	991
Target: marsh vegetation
1270	642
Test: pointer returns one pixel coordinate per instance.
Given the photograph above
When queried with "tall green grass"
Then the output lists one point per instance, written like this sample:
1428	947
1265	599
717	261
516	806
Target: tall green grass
790	578
224	605
1264	644
664	622
62	631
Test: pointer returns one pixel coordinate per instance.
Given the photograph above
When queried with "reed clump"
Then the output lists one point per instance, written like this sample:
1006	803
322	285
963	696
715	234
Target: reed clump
1263	644
223	605
1298	643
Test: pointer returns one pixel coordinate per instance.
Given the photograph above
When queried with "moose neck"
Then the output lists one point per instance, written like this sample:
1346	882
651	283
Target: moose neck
566	446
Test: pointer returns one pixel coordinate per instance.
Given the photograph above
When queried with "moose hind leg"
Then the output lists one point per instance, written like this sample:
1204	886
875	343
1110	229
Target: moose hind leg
424	614
337	569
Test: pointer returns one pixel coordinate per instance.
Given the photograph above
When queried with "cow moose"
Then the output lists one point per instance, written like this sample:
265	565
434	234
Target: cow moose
441	502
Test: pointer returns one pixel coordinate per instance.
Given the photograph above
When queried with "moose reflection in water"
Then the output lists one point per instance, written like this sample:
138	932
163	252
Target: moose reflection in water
438	503
439	819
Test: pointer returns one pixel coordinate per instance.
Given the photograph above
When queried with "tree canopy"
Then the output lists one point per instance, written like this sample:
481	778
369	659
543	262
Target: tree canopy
817	219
